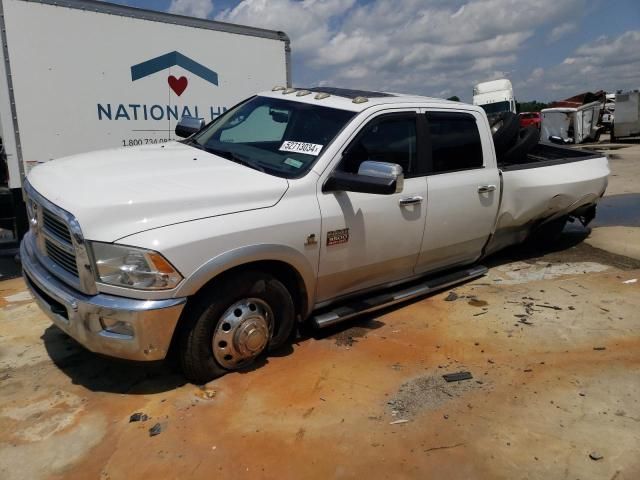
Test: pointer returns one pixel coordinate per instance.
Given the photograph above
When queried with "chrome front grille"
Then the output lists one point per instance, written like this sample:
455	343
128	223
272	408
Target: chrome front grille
56	226
61	256
58	241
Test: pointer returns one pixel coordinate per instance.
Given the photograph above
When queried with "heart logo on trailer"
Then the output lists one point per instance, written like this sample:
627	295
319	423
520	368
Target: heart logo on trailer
172	59
178	85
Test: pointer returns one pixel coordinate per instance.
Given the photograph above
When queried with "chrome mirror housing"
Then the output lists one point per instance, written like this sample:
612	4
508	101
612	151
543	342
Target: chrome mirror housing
187	126
388	171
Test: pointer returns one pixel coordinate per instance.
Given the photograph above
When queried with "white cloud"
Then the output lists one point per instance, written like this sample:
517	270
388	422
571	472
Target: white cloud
193	8
606	63
560	31
428	47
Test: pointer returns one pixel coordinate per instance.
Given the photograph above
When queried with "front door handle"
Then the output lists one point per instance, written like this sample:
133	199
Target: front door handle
486	188
416	199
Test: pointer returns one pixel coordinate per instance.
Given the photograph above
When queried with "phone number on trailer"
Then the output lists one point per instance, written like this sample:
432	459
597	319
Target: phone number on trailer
134	142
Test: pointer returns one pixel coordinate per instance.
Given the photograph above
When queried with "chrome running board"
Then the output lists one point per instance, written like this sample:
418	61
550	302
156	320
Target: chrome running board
376	302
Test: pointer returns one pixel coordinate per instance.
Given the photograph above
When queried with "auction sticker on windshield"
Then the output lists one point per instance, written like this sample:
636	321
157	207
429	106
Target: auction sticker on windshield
301	147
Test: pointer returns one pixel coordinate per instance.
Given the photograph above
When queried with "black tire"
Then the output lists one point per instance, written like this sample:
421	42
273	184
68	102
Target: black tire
505	136
547	234
204	315
527	139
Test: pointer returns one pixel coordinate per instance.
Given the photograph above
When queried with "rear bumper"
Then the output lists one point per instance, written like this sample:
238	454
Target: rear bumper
149	323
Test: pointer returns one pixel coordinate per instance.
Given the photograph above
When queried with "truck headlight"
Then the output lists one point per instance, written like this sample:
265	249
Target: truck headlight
133	267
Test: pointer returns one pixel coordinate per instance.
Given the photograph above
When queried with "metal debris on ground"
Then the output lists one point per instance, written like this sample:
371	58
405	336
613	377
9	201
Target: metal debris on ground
138	417
451	297
397	422
457	377
155	430
595	456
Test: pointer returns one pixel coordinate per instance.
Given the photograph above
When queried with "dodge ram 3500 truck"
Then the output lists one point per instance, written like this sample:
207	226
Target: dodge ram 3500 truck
294	206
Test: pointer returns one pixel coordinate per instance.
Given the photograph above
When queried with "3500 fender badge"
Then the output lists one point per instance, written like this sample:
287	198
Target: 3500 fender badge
335	237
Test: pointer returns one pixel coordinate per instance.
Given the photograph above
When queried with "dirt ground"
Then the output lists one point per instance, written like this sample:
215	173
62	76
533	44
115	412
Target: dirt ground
551	340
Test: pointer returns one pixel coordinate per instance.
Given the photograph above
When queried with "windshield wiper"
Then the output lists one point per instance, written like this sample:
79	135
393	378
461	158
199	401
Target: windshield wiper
233	157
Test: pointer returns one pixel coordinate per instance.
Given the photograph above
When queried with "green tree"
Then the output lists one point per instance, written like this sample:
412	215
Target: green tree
531	106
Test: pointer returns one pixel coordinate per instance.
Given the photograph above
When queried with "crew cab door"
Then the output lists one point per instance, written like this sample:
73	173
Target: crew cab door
464	189
373	239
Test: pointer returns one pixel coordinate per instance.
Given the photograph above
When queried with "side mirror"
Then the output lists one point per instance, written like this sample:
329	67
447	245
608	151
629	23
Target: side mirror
187	126
373	177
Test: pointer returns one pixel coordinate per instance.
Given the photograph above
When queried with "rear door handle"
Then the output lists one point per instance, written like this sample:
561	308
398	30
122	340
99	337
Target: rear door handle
486	188
411	200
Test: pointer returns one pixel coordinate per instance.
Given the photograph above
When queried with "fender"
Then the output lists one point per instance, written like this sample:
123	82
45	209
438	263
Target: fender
248	254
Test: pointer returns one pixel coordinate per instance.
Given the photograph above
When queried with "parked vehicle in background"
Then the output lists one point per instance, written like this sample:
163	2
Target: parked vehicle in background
627	119
495	96
530	119
571	125
295	206
82	75
608	112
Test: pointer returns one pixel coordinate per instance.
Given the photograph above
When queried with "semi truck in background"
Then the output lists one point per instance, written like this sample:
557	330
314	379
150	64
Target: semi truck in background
495	96
82	75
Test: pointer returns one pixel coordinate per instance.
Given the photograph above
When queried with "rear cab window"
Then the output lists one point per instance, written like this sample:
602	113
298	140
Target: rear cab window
454	141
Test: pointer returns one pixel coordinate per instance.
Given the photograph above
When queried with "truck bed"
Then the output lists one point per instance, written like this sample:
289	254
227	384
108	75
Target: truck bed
554	182
547	154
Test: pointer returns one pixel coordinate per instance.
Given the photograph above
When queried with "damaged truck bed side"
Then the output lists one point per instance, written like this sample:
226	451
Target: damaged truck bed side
294	206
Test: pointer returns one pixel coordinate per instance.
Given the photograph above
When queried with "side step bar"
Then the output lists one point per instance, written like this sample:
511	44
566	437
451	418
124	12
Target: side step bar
357	307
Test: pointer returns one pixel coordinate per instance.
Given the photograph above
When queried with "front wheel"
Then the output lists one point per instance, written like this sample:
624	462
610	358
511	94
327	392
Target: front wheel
232	323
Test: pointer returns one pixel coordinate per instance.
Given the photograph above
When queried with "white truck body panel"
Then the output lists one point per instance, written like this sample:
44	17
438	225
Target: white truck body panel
163	185
90	75
627	117
575	124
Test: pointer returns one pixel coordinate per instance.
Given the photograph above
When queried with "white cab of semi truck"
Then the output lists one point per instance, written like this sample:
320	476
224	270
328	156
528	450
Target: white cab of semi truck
82	75
495	96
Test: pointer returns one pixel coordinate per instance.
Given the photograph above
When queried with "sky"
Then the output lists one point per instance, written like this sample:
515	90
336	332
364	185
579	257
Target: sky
549	49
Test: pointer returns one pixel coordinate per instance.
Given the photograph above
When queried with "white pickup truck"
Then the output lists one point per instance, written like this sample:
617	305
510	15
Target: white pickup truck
294	206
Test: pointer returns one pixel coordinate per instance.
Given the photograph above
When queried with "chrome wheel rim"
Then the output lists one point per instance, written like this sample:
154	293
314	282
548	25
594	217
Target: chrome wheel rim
243	333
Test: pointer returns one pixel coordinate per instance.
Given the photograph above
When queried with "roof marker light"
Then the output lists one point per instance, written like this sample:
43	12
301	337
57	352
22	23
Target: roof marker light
302	93
277	88
287	91
360	100
321	95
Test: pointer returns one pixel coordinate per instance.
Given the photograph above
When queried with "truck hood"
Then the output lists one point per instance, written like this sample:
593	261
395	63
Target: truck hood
119	192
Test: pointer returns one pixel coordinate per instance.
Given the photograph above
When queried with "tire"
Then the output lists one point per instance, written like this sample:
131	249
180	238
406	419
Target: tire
505	136
232	323
527	139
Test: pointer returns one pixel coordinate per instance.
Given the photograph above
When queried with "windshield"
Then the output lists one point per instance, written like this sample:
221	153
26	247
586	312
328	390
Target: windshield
279	137
496	107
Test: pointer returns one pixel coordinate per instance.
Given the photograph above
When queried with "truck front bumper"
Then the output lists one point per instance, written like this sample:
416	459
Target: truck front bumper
98	321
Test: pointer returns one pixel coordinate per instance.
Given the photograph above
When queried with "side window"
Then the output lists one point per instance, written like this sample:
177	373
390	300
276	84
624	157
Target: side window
455	142
388	139
261	125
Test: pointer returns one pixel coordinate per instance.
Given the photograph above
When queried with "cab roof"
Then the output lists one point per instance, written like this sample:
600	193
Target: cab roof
352	99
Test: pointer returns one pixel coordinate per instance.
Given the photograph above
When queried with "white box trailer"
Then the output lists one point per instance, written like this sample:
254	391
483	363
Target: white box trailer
626	122
571	125
81	75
